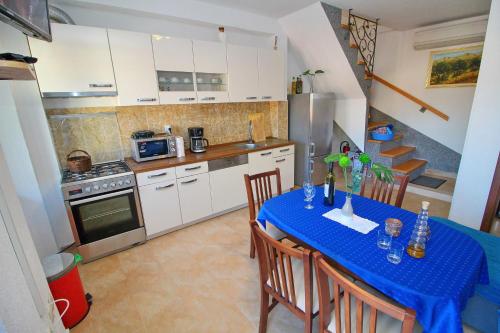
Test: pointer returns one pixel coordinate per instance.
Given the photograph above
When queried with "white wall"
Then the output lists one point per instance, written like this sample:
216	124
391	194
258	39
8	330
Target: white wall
482	142
316	46
398	62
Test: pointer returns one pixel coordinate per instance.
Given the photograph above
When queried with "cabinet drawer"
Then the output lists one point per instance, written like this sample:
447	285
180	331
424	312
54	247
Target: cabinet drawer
260	161
191	169
281	151
194	197
156	176
160	207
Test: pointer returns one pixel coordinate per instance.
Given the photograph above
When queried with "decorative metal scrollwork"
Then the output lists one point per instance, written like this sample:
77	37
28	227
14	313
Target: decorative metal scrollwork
364	33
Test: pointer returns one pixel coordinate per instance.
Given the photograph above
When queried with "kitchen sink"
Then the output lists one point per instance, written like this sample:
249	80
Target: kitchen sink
250	145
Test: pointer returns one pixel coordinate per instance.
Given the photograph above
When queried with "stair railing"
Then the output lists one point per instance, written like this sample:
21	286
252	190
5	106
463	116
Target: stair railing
364	33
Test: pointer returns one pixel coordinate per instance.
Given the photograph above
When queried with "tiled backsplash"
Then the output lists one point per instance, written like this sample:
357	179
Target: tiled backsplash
105	131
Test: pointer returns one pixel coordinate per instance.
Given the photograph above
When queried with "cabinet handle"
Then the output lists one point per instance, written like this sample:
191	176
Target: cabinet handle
208	99
190	181
267	97
146	99
186	99
265	154
157	175
282	160
100	85
284	150
251	97
193	168
163	187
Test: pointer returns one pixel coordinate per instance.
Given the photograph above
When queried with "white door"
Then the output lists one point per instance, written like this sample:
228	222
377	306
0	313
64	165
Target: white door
173	54
194	197
160	207
134	67
242	69
228	187
286	166
209	57
78	60
260	161
271	75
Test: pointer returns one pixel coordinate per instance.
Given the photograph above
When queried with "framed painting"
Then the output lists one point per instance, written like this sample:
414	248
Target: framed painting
454	67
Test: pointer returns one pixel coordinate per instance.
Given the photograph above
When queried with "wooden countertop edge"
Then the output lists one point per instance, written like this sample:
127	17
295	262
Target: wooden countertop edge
209	155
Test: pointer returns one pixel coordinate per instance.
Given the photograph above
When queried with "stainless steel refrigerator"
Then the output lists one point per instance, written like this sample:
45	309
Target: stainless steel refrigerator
310	126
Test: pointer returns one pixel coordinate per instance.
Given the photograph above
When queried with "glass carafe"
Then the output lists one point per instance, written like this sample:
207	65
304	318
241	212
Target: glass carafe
419	236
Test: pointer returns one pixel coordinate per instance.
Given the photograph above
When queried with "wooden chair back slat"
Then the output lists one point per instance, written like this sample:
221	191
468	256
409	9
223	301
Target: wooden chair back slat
383	192
259	189
283	275
290	279
324	272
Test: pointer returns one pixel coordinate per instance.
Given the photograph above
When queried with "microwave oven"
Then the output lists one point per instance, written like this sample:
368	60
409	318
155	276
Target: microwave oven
154	148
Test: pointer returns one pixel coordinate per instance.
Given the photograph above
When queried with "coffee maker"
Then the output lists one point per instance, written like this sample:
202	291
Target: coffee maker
196	140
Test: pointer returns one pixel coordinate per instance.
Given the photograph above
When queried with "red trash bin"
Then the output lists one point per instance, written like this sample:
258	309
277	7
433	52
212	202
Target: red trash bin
64	281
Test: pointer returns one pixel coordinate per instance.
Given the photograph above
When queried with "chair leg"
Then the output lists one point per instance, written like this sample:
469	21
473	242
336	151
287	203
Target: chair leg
264	310
252	247
308	323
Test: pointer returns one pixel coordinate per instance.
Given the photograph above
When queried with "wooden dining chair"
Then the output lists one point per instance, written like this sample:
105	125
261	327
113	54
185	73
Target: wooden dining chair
259	189
383	191
286	276
357	306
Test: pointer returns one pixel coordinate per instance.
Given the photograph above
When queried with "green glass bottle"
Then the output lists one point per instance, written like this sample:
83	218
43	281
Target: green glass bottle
329	189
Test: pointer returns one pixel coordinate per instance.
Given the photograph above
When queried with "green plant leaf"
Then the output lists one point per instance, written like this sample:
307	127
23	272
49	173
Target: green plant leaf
344	162
307	72
383	173
319	71
365	158
332	158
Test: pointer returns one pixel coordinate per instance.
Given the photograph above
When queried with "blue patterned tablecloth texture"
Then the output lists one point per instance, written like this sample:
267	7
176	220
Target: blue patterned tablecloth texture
437	286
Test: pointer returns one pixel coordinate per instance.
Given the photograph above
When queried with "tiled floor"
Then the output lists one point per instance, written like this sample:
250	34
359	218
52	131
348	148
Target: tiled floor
199	279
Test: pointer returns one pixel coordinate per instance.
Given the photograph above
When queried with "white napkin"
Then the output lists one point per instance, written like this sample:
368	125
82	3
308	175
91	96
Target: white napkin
357	223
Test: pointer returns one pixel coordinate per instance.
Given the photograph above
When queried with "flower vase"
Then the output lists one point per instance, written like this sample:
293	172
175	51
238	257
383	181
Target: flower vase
347	211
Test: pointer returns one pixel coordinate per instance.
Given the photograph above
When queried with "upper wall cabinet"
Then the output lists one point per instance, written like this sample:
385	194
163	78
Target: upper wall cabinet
243	77
134	67
271	75
210	65
76	63
175	69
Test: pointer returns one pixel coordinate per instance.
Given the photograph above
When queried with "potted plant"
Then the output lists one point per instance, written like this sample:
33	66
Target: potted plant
381	172
312	75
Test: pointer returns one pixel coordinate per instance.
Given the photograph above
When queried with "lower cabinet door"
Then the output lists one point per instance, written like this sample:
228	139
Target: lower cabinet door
286	166
228	187
160	207
194	197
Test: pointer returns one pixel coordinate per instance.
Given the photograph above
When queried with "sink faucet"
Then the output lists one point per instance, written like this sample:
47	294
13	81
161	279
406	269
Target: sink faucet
250	130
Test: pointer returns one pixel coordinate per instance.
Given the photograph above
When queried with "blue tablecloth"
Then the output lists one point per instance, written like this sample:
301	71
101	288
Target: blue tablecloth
437	287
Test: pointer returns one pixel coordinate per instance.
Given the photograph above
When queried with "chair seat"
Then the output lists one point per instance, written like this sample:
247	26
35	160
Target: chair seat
385	323
272	231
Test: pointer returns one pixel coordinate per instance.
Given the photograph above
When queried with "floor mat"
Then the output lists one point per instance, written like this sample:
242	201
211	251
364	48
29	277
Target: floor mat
428	181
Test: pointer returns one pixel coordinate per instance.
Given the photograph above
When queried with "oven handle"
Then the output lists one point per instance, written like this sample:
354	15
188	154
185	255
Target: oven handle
104	196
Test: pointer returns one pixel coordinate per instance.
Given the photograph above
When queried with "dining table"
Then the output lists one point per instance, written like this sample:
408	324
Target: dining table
436	286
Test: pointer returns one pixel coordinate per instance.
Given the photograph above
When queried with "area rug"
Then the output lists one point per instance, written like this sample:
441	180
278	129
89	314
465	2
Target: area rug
428	181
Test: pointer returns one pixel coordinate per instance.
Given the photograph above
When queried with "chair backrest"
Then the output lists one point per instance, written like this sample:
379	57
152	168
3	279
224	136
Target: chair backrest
325	271
382	191
263	189
277	272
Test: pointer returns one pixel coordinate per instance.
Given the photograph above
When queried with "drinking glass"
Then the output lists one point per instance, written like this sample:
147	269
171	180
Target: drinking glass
309	192
306	186
395	253
383	239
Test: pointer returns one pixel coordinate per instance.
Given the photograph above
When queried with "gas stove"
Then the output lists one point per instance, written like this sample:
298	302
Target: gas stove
102	178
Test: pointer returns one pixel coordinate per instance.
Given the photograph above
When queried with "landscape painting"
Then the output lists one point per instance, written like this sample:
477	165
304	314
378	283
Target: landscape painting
454	67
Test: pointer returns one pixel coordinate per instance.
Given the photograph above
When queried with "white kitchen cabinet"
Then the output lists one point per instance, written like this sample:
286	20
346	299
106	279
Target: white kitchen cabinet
160	207
286	166
155	176
228	187
194	197
77	62
260	161
209	57
134	67
271	75
173	54
243	77
191	169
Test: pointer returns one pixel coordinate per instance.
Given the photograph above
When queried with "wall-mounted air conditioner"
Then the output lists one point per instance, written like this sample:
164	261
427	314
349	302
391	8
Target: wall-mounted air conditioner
470	30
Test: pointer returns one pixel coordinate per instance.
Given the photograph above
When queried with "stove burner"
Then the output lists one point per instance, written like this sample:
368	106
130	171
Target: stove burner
98	170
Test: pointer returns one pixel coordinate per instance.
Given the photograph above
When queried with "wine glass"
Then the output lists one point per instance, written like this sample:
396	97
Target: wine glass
309	192
306	185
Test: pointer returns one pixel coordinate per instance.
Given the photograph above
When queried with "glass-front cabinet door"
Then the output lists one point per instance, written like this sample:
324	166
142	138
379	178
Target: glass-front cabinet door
211	87
176	87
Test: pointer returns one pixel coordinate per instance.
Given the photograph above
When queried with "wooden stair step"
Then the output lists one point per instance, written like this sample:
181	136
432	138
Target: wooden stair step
374	124
345	26
397	137
409	166
397	151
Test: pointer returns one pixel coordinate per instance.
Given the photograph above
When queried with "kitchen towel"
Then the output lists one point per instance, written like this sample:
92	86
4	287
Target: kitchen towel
357	223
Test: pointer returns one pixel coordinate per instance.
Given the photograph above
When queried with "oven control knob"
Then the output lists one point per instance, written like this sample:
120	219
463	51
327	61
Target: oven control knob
120	183
112	184
127	181
88	189
104	185
96	187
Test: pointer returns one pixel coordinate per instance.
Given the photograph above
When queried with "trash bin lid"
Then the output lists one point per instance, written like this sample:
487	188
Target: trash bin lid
57	265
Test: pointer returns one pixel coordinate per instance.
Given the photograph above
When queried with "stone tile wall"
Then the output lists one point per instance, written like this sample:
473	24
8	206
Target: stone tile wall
105	131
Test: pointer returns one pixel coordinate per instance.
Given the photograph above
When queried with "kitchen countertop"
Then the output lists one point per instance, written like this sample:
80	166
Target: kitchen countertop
212	153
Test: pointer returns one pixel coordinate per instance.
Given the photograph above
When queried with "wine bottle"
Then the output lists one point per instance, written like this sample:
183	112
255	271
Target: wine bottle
294	86
299	85
329	190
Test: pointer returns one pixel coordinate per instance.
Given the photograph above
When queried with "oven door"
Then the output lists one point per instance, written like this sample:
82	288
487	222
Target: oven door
105	215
